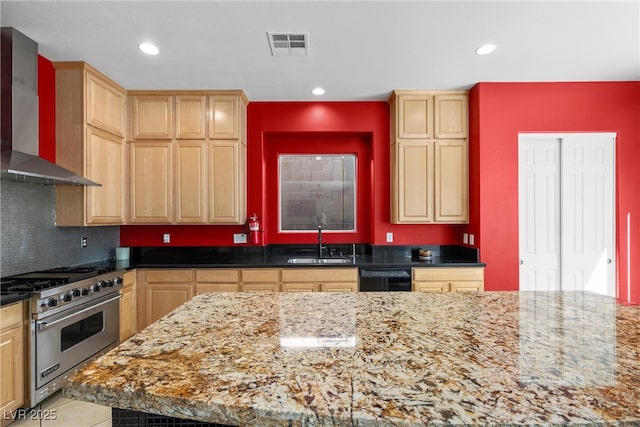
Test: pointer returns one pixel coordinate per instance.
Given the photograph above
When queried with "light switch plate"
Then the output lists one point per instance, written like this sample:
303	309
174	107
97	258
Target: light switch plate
472	240
239	238
465	238
166	238
389	237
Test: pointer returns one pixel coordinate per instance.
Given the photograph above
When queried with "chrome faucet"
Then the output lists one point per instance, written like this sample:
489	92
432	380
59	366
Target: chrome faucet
320	247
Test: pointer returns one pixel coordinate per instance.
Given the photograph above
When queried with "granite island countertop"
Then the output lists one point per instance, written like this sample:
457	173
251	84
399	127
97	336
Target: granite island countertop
380	359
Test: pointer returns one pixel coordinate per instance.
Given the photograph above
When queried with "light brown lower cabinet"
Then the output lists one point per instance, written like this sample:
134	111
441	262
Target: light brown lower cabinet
128	321
448	279
320	280
160	291
12	356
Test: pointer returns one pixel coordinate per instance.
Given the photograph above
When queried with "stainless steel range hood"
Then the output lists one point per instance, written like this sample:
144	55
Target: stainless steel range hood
19	115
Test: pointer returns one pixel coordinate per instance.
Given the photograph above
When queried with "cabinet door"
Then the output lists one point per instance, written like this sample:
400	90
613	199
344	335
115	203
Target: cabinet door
104	165
105	105
158	291
451	181
128	306
151	182
415	116
162	298
153	117
451	116
190	117
190	165
412	189
225	192
11	358
127	312
11	367
223	117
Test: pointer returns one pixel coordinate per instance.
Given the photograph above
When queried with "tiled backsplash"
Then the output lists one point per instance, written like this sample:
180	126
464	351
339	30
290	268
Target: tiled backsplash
30	240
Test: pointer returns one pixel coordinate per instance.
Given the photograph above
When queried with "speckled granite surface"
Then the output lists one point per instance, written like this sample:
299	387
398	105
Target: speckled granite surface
380	359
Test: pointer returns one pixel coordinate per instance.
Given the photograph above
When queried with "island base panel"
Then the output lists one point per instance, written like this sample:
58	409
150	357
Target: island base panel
127	418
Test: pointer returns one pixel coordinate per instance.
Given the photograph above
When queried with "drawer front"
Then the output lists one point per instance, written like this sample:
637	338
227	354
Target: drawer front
11	315
217	275
319	274
448	273
261	275
169	276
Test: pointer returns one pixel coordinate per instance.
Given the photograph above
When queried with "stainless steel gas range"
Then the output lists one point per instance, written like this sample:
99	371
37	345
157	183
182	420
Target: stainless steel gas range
74	318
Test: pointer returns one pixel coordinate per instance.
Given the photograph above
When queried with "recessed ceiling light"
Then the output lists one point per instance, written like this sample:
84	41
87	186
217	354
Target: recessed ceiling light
318	91
149	48
486	49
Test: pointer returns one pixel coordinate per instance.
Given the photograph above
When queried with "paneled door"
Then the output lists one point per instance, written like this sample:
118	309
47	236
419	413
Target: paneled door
566	212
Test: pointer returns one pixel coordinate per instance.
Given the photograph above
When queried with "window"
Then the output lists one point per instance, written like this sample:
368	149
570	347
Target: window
317	190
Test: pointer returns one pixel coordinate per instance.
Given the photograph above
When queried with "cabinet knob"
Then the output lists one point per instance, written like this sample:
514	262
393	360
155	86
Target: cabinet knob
521	262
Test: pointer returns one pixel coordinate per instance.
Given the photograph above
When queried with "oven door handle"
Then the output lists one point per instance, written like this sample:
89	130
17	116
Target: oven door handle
45	325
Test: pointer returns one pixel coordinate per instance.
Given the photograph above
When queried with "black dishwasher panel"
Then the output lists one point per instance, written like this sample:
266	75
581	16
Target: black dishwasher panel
385	280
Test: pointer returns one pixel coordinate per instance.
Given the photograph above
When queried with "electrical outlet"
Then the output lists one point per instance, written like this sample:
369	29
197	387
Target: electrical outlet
389	237
465	238
472	239
166	238
83	242
240	238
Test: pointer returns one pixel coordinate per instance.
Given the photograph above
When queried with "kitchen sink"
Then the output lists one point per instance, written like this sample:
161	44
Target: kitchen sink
320	261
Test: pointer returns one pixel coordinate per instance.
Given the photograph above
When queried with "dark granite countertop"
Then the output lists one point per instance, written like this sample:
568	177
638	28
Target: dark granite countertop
367	256
10	298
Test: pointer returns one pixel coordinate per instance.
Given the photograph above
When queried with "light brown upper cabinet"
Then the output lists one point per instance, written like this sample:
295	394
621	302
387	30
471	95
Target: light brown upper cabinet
207	157
90	128
429	157
152	116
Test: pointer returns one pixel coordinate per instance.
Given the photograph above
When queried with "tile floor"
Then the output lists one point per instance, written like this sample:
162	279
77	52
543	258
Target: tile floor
67	413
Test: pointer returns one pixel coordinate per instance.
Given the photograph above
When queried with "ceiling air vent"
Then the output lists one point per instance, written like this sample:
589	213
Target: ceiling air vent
288	44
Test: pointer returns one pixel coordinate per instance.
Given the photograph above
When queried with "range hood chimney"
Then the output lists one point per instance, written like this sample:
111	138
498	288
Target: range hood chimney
19	115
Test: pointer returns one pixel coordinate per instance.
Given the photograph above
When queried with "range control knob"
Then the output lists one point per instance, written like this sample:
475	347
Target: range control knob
86	291
107	284
117	281
52	302
66	297
96	286
75	292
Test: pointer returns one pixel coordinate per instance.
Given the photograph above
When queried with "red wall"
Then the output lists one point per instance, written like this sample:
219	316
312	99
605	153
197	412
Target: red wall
316	125
498	112
47	109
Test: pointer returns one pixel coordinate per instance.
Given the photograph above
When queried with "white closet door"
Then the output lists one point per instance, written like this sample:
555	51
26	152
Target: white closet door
539	210
566	212
588	213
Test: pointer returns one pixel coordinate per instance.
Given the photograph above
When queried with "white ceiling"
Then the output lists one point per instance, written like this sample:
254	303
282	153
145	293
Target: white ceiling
358	50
